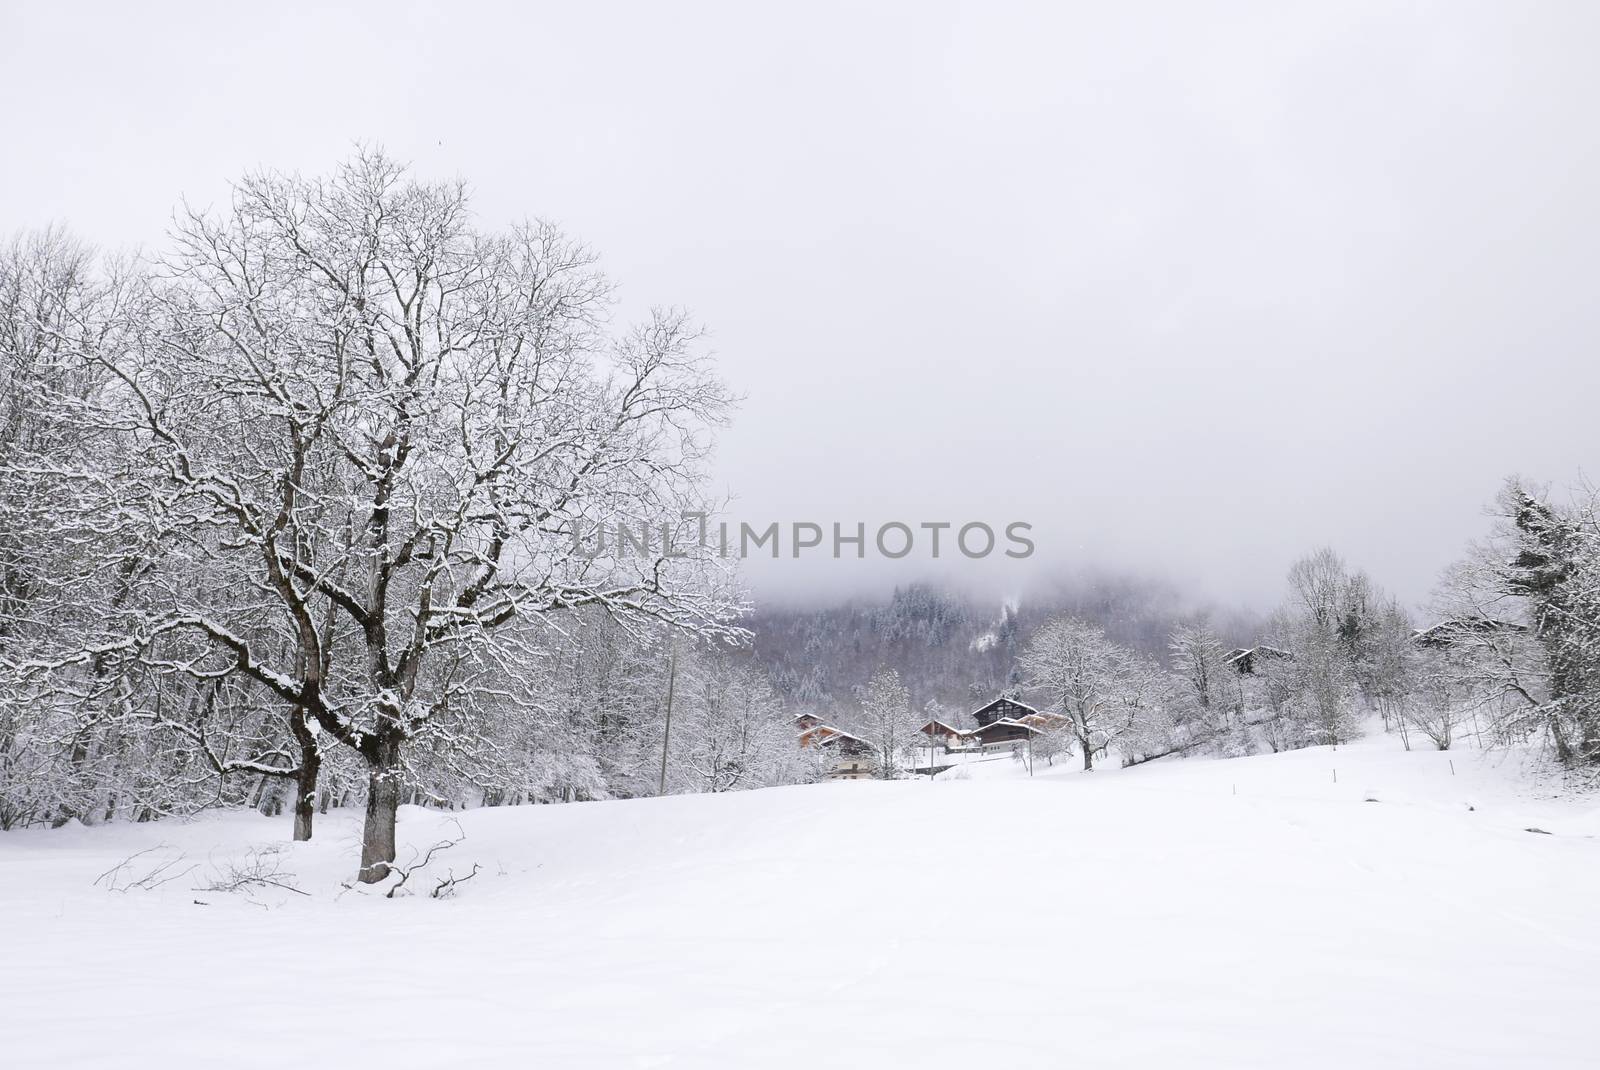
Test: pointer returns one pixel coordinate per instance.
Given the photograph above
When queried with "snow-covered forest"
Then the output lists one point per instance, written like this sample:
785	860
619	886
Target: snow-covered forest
293	511
293	516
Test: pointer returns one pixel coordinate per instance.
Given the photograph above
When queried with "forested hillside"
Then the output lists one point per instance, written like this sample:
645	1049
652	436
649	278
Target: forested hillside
957	648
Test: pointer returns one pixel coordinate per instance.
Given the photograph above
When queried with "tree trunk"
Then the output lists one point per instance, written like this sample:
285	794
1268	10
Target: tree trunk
383	800
1559	737
305	790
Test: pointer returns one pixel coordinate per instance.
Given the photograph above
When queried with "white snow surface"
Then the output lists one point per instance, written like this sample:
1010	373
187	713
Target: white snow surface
1196	913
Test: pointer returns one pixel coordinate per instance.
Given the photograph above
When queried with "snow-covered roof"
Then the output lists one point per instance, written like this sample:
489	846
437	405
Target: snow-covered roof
1247	654
1003	721
827	733
1002	698
1449	631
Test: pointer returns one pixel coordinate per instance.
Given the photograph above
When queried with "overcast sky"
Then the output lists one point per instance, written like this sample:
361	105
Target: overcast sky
1192	288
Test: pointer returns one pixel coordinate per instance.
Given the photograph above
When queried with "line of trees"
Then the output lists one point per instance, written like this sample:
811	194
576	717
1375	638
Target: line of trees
1511	648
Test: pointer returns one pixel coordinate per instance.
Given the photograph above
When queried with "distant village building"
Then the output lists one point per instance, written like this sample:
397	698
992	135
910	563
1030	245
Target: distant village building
1045	721
1001	722
1448	633
947	735
1247	661
853	757
806	722
1002	709
1003	731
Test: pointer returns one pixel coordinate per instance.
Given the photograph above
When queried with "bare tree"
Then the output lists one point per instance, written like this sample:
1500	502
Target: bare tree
1390	665
889	723
390	433
1440	697
1101	687
729	730
1199	659
1328	625
61	308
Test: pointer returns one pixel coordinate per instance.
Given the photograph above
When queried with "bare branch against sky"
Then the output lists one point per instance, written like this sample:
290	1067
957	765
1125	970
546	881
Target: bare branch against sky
1192	291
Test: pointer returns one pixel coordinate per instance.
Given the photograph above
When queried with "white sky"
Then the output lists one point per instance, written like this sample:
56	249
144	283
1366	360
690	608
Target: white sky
1193	291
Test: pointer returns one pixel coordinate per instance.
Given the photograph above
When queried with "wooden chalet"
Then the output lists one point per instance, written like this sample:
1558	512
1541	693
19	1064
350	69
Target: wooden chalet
853	756
1045	721
1003	731
1002	709
1247	661
948	735
1448	633
1005	721
816	735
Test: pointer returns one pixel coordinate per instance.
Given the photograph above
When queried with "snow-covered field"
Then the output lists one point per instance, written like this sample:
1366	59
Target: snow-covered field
1250	912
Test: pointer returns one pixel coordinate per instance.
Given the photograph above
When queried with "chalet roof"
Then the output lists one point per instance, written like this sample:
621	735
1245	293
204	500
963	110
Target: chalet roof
1004	722
936	723
1244	651
1243	658
1002	708
1000	699
1454	629
835	733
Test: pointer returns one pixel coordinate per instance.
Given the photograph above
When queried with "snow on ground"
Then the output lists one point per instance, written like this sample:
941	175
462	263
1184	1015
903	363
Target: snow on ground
1202	913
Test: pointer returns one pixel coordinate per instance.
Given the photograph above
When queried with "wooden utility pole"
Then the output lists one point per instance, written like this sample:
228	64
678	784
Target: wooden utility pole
666	732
